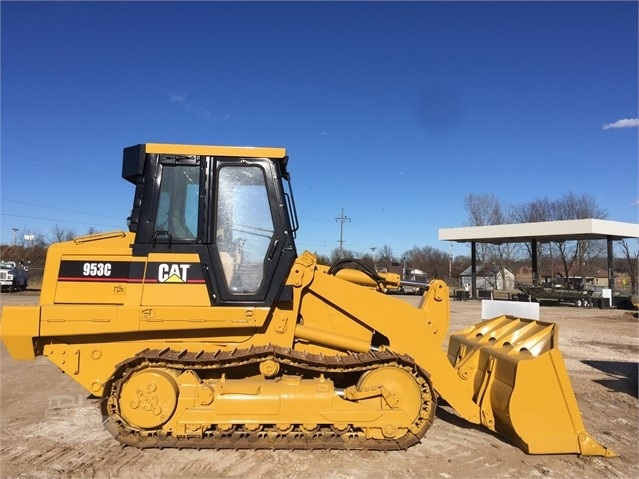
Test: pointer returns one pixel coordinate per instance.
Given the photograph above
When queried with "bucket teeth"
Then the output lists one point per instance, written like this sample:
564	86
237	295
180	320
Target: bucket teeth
590	447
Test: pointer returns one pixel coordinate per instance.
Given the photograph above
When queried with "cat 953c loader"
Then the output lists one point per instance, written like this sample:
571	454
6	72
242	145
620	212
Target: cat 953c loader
202	327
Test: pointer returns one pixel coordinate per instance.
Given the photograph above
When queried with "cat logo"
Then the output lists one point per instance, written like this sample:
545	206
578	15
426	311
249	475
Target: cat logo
173	273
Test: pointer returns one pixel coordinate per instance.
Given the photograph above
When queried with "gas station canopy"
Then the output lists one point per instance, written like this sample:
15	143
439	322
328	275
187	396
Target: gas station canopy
541	232
570	230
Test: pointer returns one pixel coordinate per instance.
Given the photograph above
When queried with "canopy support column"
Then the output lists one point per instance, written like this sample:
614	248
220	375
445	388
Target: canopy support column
611	274
535	261
473	269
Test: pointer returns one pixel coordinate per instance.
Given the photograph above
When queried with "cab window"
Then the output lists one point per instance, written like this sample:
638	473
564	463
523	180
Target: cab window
178	213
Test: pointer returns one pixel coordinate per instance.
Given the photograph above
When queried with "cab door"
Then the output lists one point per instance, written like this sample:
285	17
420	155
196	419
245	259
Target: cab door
251	245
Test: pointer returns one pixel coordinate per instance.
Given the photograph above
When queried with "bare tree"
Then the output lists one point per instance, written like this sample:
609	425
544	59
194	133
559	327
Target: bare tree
577	207
367	259
631	263
60	234
484	209
30	238
417	258
571	254
339	254
459	265
385	253
575	253
532	212
535	211
323	259
432	261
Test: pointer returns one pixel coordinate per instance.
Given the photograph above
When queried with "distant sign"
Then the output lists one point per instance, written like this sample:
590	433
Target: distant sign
29	237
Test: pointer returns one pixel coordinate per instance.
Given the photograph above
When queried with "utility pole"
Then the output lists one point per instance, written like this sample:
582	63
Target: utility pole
15	230
342	219
450	263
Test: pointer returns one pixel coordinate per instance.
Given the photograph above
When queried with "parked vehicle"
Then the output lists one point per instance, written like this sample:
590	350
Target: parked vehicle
544	294
13	276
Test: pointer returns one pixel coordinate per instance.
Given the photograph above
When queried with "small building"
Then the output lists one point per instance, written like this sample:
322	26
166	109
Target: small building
488	277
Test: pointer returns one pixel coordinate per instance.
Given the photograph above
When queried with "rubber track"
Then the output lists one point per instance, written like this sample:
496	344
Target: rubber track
324	438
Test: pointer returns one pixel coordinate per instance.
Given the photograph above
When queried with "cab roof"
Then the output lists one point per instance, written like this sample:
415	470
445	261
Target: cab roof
204	150
134	156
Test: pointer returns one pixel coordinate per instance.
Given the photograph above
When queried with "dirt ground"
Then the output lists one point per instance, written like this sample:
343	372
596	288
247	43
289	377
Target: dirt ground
50	427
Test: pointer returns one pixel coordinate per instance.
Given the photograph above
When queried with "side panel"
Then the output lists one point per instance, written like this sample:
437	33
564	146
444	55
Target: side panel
96	278
182	319
174	279
19	325
76	320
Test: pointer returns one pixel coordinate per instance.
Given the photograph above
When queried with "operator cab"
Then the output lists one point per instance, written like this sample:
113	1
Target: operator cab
227	204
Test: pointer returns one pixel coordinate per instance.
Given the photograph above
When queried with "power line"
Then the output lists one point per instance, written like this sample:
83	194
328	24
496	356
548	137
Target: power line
59	220
58	209
47	163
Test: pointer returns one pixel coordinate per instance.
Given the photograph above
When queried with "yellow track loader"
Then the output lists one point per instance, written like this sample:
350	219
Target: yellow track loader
202	327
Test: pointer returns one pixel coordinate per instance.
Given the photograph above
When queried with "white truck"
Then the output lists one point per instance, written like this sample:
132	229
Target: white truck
13	276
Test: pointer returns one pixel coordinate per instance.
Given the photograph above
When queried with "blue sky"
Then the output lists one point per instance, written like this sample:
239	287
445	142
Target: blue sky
392	111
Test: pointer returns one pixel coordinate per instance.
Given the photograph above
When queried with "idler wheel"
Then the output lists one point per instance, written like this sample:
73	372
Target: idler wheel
402	393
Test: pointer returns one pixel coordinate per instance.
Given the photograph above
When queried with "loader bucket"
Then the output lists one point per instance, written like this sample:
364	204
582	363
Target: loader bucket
519	381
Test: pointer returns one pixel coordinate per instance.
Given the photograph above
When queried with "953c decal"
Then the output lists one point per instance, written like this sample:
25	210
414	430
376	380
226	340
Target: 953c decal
96	269
130	272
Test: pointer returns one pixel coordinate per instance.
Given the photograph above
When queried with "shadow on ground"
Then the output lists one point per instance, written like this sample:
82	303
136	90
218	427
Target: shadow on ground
623	376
